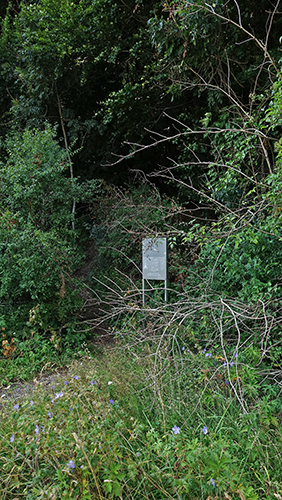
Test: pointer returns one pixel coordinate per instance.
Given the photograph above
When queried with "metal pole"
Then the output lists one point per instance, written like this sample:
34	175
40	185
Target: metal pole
165	290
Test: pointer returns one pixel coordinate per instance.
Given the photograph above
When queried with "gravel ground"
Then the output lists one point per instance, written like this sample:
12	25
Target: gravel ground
22	390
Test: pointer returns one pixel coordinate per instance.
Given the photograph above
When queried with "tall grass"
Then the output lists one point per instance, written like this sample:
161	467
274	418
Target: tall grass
143	424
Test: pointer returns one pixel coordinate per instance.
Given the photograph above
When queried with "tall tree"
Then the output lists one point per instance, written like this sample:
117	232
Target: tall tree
80	64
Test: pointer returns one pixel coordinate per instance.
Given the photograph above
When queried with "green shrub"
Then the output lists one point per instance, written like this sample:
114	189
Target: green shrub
39	247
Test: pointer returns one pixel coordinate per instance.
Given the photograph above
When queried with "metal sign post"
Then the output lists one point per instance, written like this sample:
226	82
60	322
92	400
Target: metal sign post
154	262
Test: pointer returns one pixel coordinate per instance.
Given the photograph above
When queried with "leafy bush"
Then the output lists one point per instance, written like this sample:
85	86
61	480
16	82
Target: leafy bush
39	246
244	264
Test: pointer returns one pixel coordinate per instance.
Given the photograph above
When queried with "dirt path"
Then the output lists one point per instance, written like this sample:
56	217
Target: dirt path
22	390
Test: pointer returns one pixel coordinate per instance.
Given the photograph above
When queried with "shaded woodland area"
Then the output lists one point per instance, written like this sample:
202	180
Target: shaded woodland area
125	119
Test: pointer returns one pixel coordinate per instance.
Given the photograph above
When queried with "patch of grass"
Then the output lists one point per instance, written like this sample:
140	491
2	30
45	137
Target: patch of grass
137	427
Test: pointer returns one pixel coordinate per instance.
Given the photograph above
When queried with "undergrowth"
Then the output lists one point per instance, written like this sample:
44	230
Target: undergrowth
37	347
132	425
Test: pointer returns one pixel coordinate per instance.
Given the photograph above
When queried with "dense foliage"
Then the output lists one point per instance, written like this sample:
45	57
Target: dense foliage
124	119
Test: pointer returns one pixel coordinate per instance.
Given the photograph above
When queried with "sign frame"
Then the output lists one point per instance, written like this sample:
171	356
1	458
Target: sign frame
154	262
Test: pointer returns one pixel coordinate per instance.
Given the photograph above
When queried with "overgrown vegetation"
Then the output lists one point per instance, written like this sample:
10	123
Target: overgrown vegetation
41	247
100	433
123	120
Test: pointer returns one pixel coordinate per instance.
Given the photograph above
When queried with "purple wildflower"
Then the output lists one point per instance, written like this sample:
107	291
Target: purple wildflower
12	438
31	403
66	382
76	377
36	429
16	407
52	387
49	414
208	354
42	428
111	401
182	348
138	454
212	481
58	395
205	430
176	430
70	465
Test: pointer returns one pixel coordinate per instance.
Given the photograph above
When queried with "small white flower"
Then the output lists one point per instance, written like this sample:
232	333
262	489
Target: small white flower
110	382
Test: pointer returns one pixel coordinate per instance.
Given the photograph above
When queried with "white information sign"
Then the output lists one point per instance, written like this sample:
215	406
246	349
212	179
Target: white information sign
154	261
